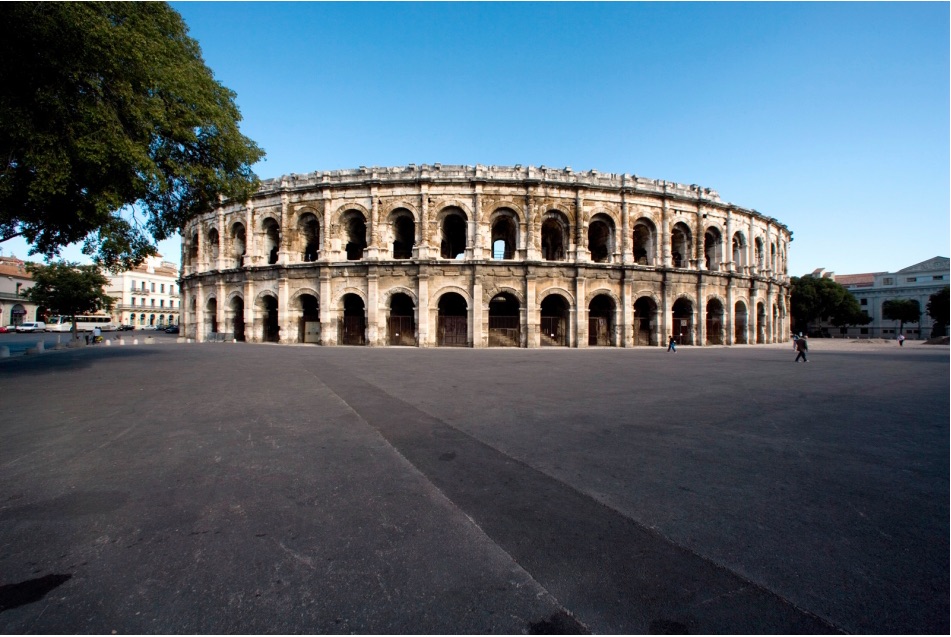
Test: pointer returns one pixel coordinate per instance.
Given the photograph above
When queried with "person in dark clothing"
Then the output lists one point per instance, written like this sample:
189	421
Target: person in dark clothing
802	346
672	344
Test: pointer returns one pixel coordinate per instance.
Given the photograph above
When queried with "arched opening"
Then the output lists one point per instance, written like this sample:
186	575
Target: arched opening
17	315
772	257
193	250
758	248
712	249
504	236
601	238
740	323
643	242
760	323
152	320
504	323
645	321
774	326
355	227
271	329
237	318
353	327
680	245
554	327
309	229
739	250
211	317
714	322
309	330
401	324
452	328
213	247
683	321
554	237
404	234
239	244
601	321
453	242
272	240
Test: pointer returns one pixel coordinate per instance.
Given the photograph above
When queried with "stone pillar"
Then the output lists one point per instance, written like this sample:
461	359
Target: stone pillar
285	317
425	249
478	250
581	315
200	335
627	250
374	244
373	307
701	312
479	337
326	245
729	319
581	226
221	306
222	236
728	263
423	319
627	309
665	231
250	323
283	250
665	319
532	314
328	332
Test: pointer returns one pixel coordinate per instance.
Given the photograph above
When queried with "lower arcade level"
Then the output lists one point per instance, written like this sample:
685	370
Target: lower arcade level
483	305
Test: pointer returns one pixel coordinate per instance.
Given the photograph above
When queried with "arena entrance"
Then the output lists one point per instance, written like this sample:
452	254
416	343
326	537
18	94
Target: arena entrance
714	322
353	326
645	316
237	318
740	323
601	321
504	323
272	331
309	329
683	321
401	323
453	323
554	326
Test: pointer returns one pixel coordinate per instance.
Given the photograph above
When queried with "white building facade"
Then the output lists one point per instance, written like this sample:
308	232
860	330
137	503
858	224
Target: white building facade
147	296
916	282
14	279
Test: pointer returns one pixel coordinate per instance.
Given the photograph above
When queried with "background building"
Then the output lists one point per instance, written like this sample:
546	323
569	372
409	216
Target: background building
916	282
147	295
14	309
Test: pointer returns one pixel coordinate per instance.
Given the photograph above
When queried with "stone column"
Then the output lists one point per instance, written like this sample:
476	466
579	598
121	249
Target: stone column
326	245
728	243
425	249
478	250
627	250
423	318
200	330
701	312
627	309
374	246
328	317
665	232
283	250
250	323
531	313
581	245
581	315
221	306
373	307
222	236
729	319
284	315
478	334
665	319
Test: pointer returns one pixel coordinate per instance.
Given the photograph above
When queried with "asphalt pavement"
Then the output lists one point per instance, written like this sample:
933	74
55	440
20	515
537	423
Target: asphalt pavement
236	488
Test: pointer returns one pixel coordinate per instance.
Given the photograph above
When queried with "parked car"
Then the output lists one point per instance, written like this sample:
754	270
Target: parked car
36	326
171	329
4	329
125	328
147	327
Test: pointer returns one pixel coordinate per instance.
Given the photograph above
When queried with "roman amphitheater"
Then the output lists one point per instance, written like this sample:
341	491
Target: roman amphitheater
484	256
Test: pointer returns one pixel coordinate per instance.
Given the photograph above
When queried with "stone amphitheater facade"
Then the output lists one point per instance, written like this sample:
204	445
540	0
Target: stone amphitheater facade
483	256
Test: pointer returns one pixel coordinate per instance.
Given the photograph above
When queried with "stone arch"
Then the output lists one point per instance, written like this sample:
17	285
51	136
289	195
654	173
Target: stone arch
264	217
644	241
646	315
715	312
434	297
446	206
263	293
400	232
602	237
738	249
603	309
490	293
712	247
338	298
741	321
398	289
555	235
307	239
507	207
681	244
589	296
504	233
453	234
540	296
505	319
302	291
554	311
336	217
271	228
396	204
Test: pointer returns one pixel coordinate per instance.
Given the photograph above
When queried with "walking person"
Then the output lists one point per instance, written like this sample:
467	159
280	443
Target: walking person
802	346
672	344
901	340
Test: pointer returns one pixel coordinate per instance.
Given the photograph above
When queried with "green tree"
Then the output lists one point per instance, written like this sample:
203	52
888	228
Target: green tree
903	311
816	299
68	289
938	309
112	129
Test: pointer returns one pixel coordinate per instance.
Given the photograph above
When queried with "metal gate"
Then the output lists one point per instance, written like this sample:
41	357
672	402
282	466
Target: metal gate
400	330
553	331
453	331
353	330
740	334
503	331
599	332
714	334
643	335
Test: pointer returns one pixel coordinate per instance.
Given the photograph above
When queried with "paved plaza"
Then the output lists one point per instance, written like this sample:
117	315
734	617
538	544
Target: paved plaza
233	488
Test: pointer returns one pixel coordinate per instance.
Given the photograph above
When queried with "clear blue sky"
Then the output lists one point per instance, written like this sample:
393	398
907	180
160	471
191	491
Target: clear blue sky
832	118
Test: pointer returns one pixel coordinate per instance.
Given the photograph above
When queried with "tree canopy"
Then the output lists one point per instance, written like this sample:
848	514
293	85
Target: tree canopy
901	310
938	309
105	106
819	299
68	288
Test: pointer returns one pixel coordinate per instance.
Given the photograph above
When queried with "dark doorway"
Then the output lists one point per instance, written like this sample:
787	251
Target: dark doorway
714	322
504	323
683	321
452	328
404	233
601	321
740	324
645	317
453	244
272	331
309	330
401	324
353	327
237	312
356	236
554	326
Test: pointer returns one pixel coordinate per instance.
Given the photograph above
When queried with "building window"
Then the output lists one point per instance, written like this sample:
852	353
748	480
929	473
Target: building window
864	330
171	289
163	288
153	302
863	301
888	281
133	301
153	287
912	279
939	277
162	303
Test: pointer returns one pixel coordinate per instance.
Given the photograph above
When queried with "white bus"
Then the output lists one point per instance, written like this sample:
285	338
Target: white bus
84	323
